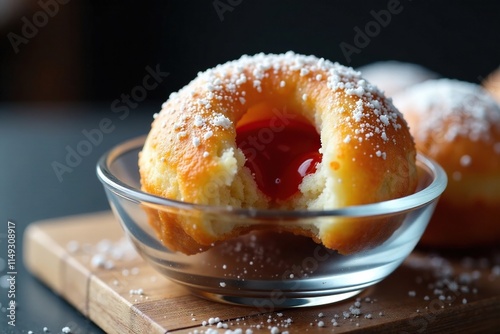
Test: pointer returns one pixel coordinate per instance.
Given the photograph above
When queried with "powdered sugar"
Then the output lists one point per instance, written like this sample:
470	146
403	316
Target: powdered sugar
221	120
384	119
452	109
381	154
198	120
208	134
465	160
224	83
196	141
138	292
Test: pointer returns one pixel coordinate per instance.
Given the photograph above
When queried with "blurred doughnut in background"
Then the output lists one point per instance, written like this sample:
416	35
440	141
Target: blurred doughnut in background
393	76
492	84
457	124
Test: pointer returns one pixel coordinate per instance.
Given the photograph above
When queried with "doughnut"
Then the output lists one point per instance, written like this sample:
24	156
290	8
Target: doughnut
458	124
394	76
492	84
279	132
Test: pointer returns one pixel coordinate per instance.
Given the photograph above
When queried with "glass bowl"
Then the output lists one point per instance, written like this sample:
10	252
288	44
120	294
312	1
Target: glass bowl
263	269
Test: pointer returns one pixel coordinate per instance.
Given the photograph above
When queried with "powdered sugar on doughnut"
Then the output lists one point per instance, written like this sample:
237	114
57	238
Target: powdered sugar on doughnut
223	83
453	108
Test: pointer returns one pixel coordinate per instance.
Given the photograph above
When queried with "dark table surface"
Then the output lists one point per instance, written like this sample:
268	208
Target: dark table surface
33	140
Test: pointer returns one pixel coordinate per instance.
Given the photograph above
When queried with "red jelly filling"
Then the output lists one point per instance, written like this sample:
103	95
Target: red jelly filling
279	152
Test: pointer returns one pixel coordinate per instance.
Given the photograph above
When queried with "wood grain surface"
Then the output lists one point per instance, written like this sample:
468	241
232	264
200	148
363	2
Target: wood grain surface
87	261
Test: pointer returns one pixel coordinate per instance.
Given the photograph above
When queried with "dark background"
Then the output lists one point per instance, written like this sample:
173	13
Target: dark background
92	51
64	79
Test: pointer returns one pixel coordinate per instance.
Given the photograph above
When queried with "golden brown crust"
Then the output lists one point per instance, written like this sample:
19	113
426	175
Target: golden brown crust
458	125
471	225
368	154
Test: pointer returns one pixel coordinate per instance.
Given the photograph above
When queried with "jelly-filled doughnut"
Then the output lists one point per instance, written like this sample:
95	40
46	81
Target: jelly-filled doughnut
281	132
458	124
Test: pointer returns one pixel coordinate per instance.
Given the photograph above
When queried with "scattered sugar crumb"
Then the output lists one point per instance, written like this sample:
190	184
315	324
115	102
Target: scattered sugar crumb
73	246
196	141
97	260
198	121
465	160
221	120
138	292
381	154
208	134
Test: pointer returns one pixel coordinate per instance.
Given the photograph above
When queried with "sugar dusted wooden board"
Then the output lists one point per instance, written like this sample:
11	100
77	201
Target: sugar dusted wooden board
103	292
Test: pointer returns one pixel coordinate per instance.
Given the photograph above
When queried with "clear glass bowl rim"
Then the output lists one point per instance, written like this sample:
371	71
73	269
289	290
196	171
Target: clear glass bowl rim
394	206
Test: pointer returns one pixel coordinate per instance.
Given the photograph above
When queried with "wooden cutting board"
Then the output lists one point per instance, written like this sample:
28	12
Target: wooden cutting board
86	260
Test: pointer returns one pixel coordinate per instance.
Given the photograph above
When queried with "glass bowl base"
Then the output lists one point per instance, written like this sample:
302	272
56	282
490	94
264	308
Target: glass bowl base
267	304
